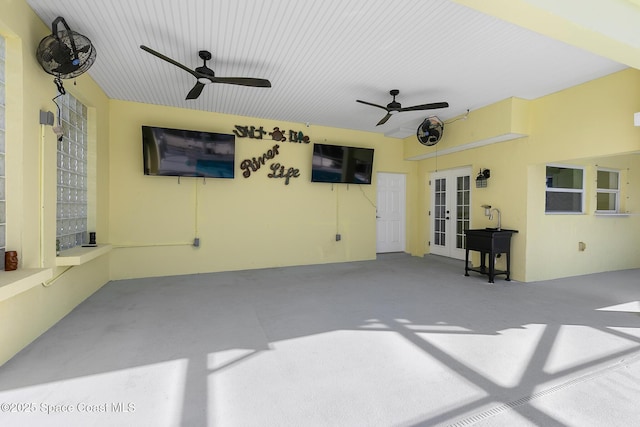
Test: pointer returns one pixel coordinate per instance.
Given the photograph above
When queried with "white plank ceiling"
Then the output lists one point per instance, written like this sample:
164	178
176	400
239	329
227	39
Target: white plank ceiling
322	56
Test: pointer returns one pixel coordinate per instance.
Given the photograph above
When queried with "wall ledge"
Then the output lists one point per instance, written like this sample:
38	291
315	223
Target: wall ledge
15	282
80	255
618	214
475	144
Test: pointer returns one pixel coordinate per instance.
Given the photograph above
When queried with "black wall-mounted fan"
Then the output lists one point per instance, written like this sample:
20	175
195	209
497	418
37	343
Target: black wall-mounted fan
205	75
395	107
430	131
65	53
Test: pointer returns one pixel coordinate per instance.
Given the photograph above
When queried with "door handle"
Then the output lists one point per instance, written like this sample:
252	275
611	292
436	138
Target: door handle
447	218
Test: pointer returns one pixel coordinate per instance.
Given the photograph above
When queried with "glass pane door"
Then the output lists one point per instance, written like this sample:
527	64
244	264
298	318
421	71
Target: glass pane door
462	209
440	212
450	212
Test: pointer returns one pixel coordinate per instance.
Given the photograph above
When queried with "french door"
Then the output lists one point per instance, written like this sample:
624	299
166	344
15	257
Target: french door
450	211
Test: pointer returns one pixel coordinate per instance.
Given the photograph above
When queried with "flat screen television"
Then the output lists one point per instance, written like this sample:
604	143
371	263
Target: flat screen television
340	164
179	152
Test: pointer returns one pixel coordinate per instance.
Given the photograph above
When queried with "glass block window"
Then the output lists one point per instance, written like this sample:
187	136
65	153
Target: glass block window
565	189
72	173
608	190
3	207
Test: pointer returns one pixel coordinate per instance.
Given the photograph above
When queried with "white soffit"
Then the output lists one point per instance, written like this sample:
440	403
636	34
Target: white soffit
615	19
608	28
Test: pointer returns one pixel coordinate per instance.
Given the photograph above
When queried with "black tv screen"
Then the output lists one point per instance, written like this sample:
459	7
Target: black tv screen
340	164
178	152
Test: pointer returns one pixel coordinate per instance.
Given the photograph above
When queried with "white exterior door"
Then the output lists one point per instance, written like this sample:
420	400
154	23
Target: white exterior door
391	213
450	210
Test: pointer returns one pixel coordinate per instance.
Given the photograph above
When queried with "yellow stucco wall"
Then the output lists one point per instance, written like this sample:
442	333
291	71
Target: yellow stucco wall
31	183
244	223
590	124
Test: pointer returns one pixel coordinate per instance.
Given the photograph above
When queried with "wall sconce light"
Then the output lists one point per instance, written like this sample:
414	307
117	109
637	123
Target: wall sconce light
483	176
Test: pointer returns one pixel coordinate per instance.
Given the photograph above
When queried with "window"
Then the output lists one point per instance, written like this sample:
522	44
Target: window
608	190
72	173
3	207
565	189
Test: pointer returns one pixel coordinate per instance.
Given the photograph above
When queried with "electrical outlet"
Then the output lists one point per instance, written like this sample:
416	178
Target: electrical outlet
196	242
338	237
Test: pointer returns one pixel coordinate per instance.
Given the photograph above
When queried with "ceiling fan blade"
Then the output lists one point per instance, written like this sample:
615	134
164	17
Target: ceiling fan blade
171	61
242	81
369	103
384	119
195	91
431	106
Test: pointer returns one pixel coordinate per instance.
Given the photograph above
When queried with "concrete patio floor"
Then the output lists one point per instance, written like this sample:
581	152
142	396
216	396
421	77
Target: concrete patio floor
397	341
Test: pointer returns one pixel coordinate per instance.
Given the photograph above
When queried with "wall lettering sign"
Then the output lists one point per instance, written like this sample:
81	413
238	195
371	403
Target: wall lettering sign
278	172
253	164
249	132
277	134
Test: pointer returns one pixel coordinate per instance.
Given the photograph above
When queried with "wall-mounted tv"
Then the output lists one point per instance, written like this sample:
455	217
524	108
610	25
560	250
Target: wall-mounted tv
340	164
178	152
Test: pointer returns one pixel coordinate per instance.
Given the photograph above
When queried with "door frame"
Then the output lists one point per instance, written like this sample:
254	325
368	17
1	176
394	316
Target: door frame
449	249
402	204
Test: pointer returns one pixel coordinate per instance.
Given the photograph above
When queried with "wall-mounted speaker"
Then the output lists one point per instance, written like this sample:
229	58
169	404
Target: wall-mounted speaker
46	118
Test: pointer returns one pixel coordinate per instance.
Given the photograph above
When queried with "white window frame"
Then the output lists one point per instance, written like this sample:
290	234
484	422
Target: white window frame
566	190
615	191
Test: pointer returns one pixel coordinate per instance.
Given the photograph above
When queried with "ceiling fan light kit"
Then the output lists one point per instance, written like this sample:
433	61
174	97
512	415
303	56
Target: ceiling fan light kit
395	107
205	75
